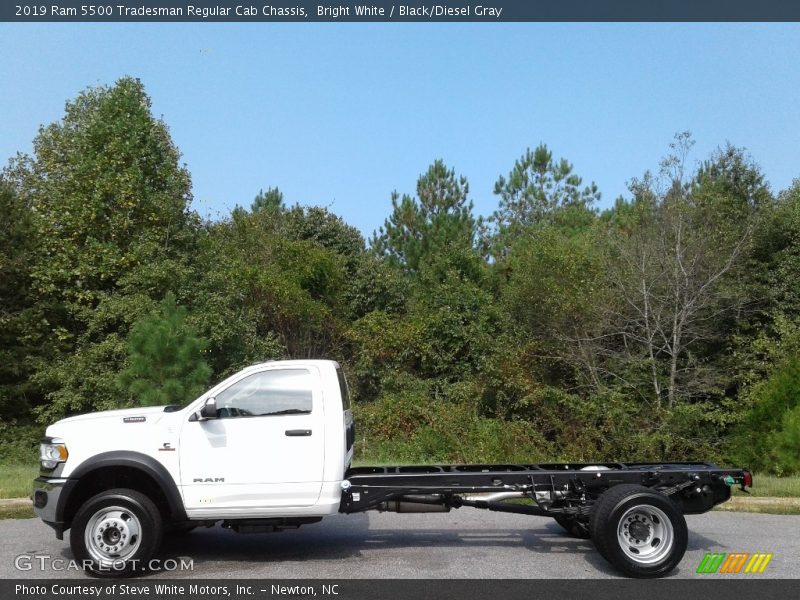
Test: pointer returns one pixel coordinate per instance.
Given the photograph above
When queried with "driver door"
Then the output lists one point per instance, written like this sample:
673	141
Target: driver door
265	449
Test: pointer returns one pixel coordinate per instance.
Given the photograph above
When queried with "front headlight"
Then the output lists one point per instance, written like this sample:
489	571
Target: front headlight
52	452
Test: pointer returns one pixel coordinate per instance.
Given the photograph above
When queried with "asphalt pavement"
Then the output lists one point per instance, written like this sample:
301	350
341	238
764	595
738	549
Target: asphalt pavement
464	543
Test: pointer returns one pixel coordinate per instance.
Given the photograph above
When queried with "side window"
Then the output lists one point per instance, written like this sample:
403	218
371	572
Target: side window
344	390
276	392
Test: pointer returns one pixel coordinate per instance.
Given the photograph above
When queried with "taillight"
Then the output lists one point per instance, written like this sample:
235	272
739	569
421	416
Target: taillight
747	481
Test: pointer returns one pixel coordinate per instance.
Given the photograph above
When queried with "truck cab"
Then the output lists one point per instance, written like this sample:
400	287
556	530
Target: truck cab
272	441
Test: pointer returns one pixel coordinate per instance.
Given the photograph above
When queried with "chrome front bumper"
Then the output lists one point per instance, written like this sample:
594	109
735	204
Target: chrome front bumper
46	495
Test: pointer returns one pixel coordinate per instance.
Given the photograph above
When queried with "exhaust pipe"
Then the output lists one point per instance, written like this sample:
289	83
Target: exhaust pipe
494	497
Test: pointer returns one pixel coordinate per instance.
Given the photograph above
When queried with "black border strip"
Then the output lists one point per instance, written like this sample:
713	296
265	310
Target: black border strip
709	588
424	11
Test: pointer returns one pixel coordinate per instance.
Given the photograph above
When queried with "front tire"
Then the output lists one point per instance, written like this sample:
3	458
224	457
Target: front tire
639	531
116	533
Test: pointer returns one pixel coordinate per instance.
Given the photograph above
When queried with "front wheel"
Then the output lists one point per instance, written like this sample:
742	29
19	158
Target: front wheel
116	533
639	531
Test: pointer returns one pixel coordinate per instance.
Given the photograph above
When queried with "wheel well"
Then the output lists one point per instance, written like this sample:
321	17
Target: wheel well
106	478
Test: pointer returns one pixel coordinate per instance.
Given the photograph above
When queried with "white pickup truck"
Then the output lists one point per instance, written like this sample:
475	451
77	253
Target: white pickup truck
271	448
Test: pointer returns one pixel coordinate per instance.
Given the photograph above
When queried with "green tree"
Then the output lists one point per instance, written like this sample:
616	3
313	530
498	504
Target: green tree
438	220
110	215
535	188
777	264
271	200
375	285
318	225
165	359
265	295
20	331
676	266
768	437
553	290
315	224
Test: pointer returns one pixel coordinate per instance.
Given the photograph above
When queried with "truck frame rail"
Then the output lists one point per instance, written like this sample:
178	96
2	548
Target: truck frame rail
554	489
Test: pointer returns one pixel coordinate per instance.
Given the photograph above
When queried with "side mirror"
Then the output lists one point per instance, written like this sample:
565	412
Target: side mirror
209	410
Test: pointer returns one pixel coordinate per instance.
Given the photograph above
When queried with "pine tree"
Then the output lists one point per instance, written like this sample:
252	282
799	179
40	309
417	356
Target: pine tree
535	188
437	221
271	200
165	360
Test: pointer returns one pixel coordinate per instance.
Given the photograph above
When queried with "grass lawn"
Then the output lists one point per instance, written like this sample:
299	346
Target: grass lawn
16	512
16	479
773	487
772	506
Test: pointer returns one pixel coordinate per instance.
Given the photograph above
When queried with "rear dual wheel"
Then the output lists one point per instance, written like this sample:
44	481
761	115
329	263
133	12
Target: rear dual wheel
638	530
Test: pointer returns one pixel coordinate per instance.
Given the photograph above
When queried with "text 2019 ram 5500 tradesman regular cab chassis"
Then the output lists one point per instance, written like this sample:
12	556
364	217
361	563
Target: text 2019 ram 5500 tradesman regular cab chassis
271	448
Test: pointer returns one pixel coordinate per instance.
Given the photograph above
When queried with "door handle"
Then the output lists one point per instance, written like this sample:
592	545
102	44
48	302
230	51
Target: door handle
297	432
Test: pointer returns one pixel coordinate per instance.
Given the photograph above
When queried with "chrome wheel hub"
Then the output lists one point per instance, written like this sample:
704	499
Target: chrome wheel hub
112	535
645	534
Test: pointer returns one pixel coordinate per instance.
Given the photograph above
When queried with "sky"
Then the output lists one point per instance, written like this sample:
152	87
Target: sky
340	115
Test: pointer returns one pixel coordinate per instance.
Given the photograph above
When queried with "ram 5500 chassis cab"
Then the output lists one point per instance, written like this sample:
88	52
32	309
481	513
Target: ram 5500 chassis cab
270	448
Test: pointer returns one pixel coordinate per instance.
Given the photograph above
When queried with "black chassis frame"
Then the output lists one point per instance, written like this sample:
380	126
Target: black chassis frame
695	486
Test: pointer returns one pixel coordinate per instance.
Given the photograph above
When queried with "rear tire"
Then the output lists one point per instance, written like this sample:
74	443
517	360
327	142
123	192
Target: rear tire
639	531
116	533
574	527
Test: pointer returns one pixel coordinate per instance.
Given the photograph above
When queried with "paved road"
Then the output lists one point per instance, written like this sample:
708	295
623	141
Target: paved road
462	544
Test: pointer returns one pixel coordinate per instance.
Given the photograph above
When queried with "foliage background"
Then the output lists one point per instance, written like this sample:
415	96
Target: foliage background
665	327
